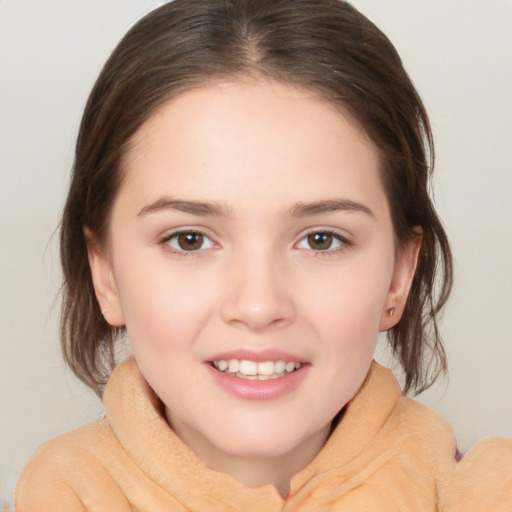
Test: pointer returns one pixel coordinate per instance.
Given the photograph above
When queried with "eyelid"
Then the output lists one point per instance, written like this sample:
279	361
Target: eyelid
345	240
193	230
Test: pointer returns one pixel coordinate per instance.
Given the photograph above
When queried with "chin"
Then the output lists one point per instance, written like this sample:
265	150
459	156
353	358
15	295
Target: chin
262	440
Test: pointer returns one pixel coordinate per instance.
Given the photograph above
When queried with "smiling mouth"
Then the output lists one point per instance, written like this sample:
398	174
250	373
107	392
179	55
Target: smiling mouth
252	370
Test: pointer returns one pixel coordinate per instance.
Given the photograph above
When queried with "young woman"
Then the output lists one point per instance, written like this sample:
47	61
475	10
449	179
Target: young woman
249	206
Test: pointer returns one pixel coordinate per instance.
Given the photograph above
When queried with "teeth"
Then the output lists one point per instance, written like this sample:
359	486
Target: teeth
234	366
253	370
290	367
248	367
279	366
266	368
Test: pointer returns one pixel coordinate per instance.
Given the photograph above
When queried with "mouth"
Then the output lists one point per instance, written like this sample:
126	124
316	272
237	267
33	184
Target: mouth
256	370
266	375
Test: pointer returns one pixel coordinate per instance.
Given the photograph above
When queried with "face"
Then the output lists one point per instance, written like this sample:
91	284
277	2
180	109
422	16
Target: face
251	258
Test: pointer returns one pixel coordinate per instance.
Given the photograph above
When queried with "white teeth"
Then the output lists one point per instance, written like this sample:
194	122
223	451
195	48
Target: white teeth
290	367
222	365
248	367
279	366
264	370
234	366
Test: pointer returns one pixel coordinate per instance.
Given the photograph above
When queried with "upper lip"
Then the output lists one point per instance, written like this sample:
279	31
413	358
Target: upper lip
259	357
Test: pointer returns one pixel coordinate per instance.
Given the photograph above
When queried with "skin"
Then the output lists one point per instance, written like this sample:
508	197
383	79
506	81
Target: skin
258	151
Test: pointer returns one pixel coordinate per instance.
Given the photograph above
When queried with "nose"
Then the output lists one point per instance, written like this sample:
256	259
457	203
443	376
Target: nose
258	293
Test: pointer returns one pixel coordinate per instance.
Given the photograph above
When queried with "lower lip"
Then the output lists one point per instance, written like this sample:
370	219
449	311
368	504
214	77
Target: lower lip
249	389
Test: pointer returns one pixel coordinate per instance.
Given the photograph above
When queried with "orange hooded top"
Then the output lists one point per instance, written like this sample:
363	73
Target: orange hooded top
388	453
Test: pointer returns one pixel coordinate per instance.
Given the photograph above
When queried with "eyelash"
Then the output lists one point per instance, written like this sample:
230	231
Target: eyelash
344	243
165	241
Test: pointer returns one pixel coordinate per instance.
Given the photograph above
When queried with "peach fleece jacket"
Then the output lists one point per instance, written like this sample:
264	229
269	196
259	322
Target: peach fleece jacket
388	453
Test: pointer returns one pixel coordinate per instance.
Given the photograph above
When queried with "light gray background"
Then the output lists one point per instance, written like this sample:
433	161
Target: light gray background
459	54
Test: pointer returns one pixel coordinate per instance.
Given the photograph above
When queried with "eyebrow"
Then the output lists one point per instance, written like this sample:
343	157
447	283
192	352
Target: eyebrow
214	209
328	206
193	207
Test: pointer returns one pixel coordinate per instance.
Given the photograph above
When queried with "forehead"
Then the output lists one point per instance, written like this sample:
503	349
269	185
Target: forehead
221	139
247	102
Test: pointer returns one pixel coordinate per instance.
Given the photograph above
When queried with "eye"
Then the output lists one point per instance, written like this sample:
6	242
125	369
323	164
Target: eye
322	241
188	241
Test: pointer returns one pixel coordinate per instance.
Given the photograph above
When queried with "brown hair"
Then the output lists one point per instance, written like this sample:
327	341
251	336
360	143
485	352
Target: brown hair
326	46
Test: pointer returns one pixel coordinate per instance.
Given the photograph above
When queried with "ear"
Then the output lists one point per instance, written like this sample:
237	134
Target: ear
406	260
103	281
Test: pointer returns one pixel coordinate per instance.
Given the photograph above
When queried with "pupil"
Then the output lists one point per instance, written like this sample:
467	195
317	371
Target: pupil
190	241
320	241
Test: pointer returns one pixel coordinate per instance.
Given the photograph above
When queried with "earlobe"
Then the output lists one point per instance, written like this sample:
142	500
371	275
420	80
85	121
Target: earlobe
103	281
403	274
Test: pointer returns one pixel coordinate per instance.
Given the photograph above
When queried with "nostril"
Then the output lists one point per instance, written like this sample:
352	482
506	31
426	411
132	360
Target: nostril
257	301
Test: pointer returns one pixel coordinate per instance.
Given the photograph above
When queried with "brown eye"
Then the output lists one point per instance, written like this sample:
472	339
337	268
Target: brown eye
320	241
188	241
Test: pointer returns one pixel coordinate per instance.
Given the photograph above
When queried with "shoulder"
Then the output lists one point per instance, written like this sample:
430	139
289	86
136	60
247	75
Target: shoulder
54	477
65	450
490	451
43	483
481	480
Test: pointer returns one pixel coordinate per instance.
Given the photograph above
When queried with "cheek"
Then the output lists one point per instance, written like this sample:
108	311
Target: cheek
351	297
346	312
164	307
346	317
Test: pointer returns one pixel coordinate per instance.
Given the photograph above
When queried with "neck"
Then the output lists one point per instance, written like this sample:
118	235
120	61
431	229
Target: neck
278	471
254	471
